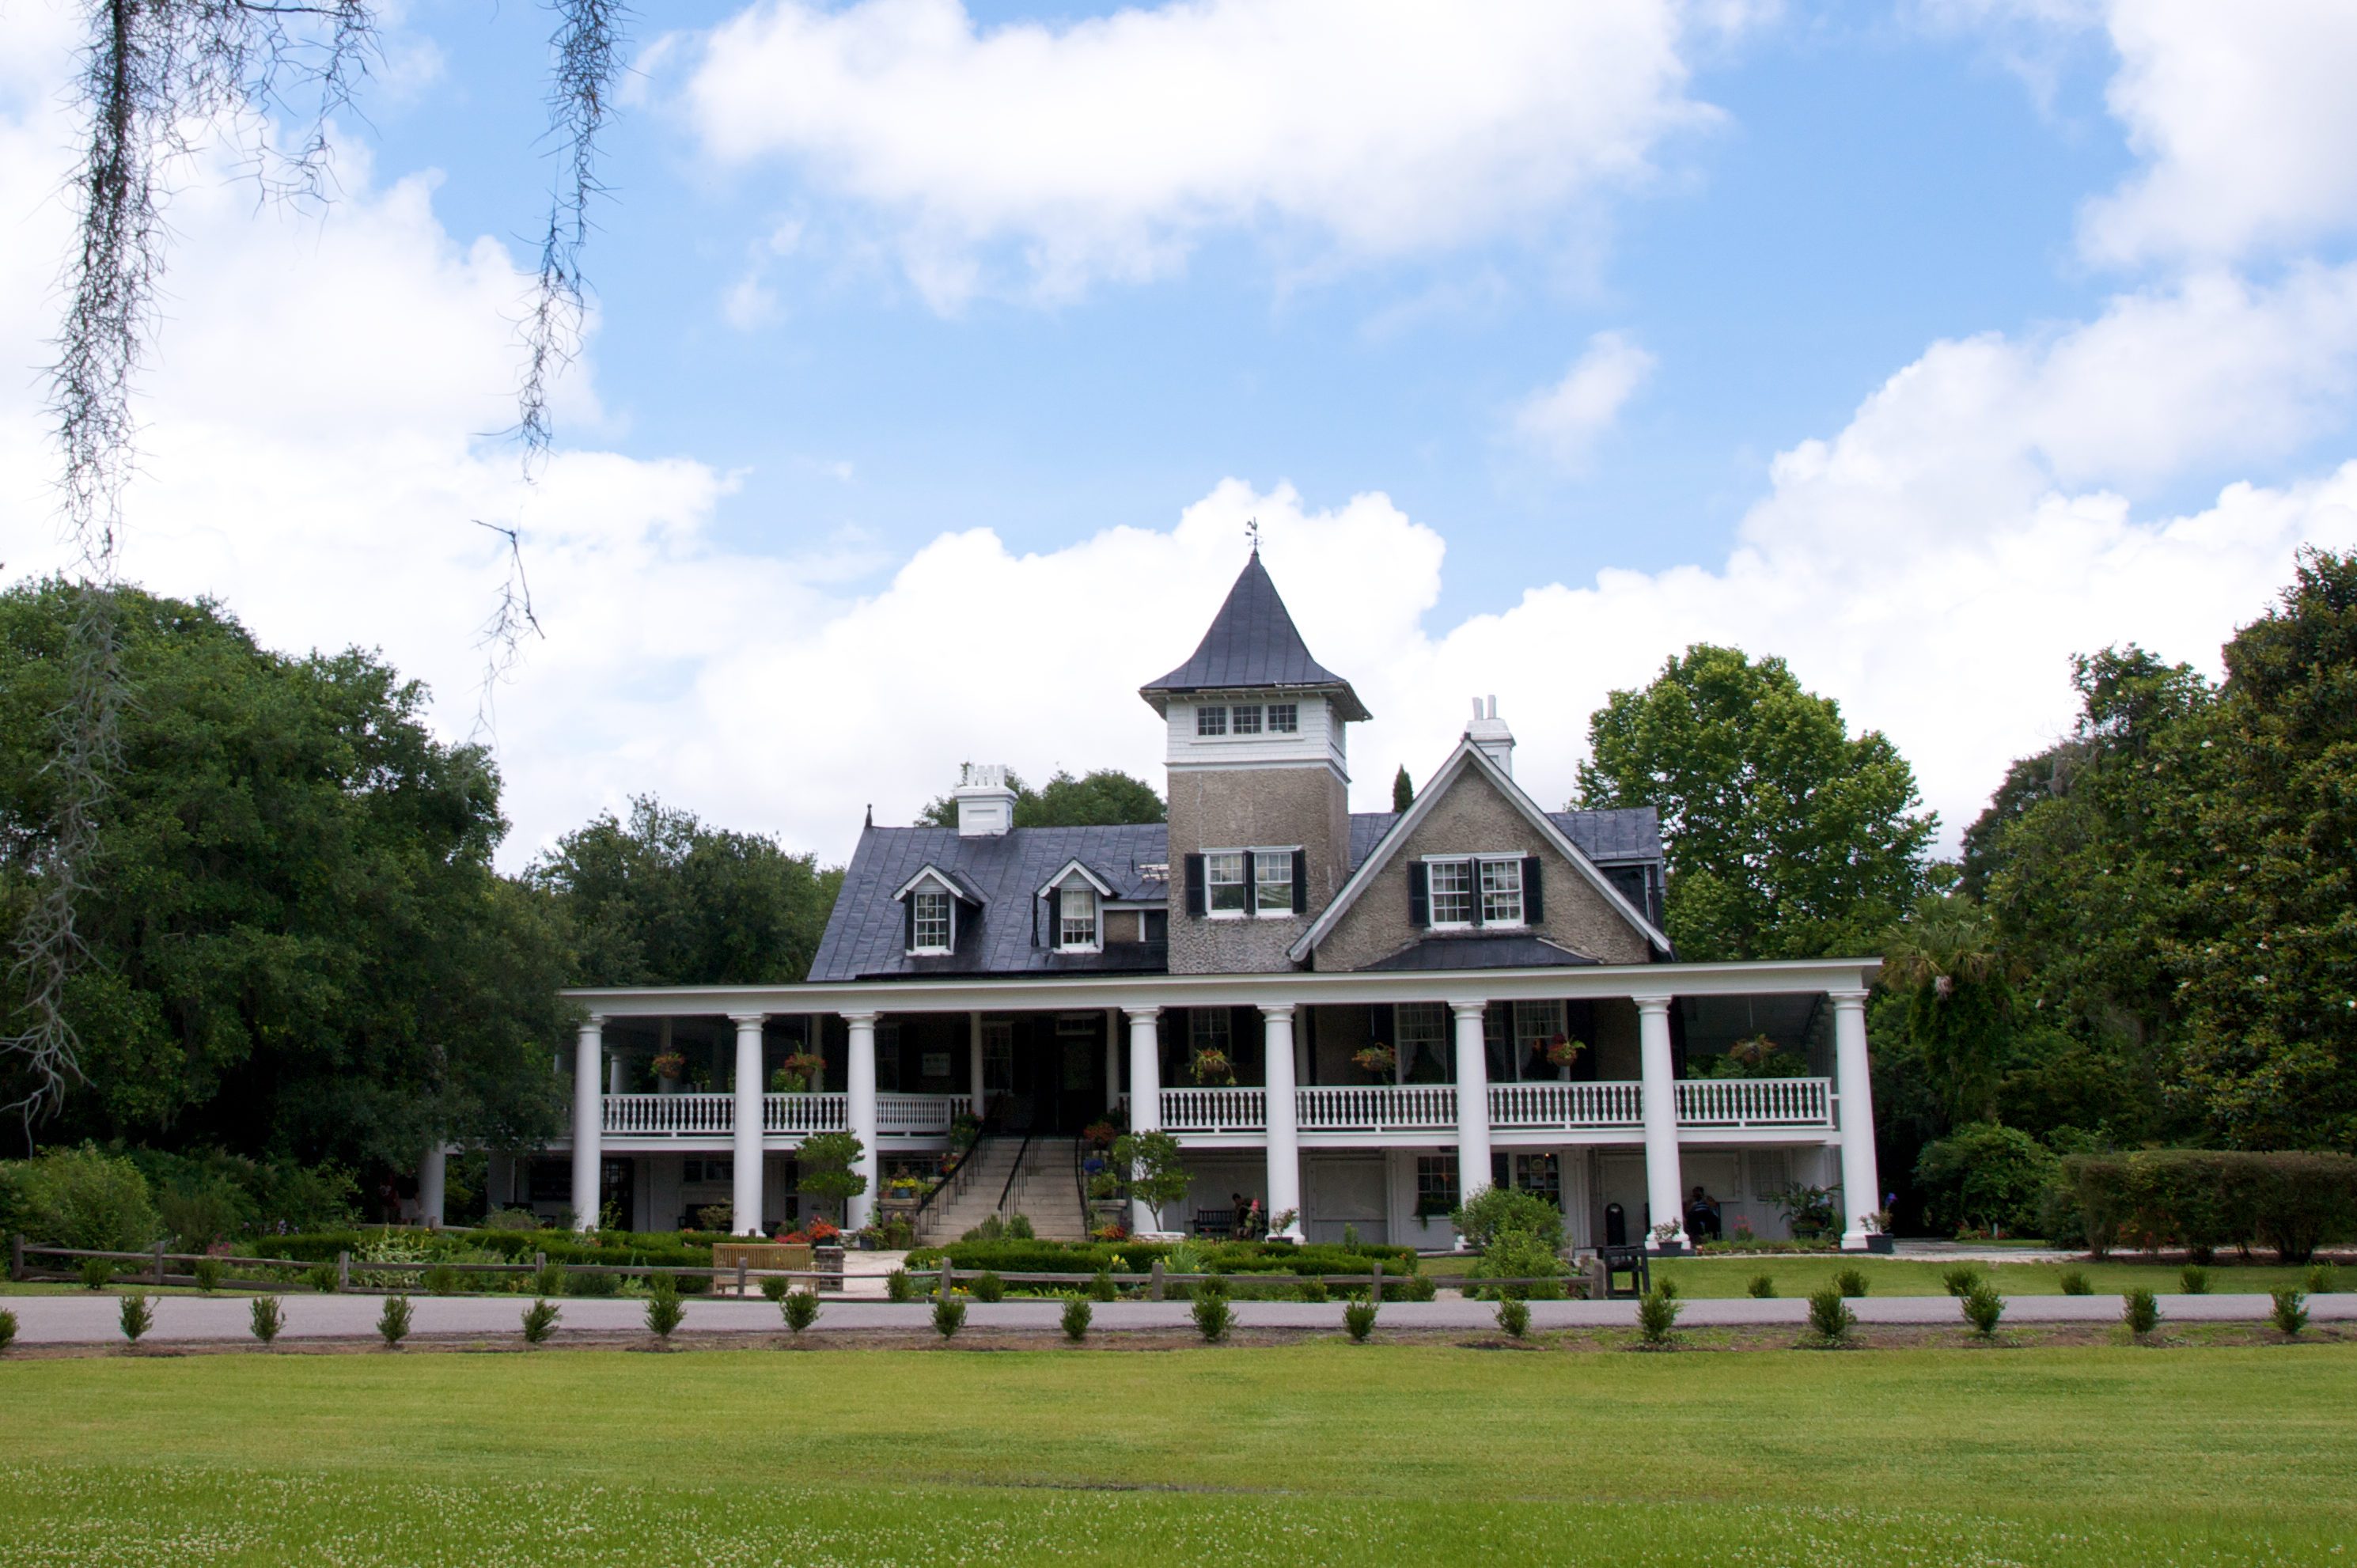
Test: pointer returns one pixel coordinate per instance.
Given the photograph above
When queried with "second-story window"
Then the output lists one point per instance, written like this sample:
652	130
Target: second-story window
1245	718
1452	892
1272	881
1283	718
932	927
1211	721
1076	904
1501	892
1223	882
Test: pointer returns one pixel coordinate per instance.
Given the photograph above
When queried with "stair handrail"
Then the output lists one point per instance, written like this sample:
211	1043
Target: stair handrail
1021	1155
1080	1181
953	1181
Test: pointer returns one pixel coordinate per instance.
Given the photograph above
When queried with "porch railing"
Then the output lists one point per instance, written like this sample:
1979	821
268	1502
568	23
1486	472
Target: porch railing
1756	1102
1614	1105
786	1115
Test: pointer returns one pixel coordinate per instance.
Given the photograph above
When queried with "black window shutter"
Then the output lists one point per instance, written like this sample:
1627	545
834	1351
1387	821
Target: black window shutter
1301	882
1383	1026
1419	894
1473	891
1252	887
1195	885
909	922
1533	891
1054	918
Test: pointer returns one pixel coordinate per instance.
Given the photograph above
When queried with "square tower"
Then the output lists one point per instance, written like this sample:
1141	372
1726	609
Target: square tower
1258	784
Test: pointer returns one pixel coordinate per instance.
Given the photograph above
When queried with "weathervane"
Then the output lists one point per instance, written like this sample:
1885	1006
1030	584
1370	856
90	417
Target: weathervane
1252	531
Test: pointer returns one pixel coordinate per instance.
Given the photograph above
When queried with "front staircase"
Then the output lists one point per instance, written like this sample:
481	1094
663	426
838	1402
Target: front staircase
1042	1191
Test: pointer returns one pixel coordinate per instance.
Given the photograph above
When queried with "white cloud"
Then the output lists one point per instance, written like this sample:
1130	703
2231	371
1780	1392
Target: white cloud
1564	419
2241	116
1105	148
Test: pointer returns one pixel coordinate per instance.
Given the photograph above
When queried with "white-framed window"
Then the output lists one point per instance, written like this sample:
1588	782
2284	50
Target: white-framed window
1224	883
1539	1176
1244	718
1272	881
930	920
1211	721
1422	1049
1435	1185
1076	914
1284	718
997	1057
1208	1030
1450	883
1501	892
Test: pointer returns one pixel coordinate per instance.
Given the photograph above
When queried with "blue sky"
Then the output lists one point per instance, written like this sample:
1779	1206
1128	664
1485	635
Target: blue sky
1925	345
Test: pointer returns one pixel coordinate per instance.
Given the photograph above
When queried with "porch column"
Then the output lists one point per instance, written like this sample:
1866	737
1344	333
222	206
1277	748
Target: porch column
1578	1198
1666	1192
1112	1058
617	1068
430	1173
750	1121
973	1065
1861	1182
1284	1119
1145	1095
861	1114
1472	1101
588	1122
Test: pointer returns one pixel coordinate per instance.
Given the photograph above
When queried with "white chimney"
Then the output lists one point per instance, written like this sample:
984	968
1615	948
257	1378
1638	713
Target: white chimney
986	806
1490	737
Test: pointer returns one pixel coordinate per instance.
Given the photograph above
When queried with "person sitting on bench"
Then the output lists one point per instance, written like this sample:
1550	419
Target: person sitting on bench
1702	1215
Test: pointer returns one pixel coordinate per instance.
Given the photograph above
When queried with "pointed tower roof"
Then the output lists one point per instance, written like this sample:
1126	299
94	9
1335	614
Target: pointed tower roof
1252	645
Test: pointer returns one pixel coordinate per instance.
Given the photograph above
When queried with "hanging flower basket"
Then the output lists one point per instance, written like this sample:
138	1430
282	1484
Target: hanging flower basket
1378	1059
1098	1135
669	1065
1563	1051
784	1083
1212	1067
1753	1051
804	1065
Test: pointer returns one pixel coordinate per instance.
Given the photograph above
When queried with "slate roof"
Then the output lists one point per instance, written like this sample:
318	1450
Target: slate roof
865	938
1627	833
1253	642
1481	952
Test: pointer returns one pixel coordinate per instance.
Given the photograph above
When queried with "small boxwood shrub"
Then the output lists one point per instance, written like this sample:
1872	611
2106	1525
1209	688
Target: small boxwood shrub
7	1329
393	1322
664	1312
540	1320
1075	1321
1415	1287
1213	1316
97	1274
800	1309
1359	1320
949	1315
267	1318
898	1286
774	1288
2141	1313
137	1317
1657	1317
1983	1307
2074	1283
208	1272
2289	1311
1312	1289
2322	1279
1830	1318
442	1280
1851	1283
1101	1288
988	1286
1515	1316
1762	1287
1960	1281
2194	1280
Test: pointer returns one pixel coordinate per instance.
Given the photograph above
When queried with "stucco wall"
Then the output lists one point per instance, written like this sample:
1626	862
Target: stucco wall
1241	808
1473	817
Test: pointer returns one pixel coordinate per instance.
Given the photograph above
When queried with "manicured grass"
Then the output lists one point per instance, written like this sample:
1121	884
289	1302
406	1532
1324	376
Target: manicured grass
1798	1274
1312	1452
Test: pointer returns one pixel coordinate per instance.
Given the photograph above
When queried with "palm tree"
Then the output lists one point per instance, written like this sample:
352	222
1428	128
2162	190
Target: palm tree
1945	959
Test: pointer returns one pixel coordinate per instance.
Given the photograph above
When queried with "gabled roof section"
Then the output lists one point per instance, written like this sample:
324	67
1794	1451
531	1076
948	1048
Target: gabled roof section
1064	874
1253	643
1469	759
957	884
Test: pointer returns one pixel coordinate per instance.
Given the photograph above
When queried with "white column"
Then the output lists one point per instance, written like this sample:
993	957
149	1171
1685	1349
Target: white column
588	1122
430	1173
1579	1197
973	1065
750	1119
1665	1193
1853	1080
1472	1101
1145	1094
617	1068
1284	1119
861	1095
1112	1058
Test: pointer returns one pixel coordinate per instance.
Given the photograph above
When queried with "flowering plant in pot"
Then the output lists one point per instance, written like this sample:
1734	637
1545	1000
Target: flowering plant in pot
806	1065
1099	1135
1378	1059
825	1233
669	1065
1563	1051
1211	1066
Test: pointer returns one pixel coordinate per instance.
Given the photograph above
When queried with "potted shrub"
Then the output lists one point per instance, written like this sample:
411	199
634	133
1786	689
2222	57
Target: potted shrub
1665	1239
1879	1237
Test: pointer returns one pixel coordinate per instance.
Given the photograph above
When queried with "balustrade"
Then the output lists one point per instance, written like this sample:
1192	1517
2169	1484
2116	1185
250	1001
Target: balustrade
782	1115
1214	1109
1612	1105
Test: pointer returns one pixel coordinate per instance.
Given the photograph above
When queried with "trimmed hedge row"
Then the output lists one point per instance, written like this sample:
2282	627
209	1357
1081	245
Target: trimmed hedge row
1137	1257
612	1249
2204	1199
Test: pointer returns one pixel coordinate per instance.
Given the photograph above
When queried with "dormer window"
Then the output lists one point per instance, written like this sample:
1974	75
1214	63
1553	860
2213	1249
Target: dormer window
1076	916
930	920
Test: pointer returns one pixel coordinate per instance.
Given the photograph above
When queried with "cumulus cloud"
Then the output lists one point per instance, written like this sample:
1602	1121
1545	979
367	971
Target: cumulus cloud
1564	419
1106	148
2239	115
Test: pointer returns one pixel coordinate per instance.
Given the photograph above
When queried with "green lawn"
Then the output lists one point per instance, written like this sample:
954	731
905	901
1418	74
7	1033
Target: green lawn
1798	1274
1312	1452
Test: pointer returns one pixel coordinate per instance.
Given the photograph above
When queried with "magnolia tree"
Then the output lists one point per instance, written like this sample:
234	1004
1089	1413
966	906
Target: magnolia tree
829	1167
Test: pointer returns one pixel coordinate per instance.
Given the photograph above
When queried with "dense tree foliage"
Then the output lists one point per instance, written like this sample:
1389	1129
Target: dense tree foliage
1786	836
664	899
1105	798
297	944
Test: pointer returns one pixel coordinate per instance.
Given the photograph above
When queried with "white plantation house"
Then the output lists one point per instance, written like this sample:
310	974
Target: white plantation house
1352	1019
